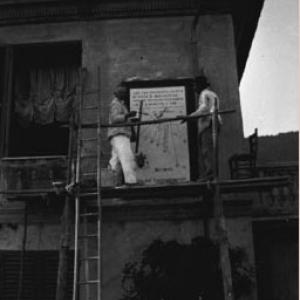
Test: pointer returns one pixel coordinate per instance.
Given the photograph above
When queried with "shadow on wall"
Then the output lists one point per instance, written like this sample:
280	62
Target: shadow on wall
173	271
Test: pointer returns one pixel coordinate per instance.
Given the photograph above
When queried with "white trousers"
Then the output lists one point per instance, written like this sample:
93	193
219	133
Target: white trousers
121	153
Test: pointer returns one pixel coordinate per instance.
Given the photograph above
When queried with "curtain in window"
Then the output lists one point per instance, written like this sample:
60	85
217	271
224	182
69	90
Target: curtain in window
45	95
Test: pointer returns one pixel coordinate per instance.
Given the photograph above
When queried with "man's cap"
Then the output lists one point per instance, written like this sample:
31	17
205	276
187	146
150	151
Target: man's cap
120	91
201	82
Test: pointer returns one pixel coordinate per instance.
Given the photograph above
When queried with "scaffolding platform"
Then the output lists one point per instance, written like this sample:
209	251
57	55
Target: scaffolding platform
163	191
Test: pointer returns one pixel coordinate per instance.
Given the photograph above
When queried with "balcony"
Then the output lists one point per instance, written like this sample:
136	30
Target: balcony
279	200
273	193
35	175
31	173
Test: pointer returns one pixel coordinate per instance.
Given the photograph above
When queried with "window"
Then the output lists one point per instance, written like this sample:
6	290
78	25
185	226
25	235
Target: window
38	96
39	275
169	148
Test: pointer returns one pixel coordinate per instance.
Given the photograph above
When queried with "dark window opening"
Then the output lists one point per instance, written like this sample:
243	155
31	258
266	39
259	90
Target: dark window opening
277	259
44	82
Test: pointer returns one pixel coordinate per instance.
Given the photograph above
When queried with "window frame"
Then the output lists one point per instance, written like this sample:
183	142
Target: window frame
9	52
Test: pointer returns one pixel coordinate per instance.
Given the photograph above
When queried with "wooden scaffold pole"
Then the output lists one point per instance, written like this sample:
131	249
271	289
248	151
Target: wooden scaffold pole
65	243
23	253
63	265
220	224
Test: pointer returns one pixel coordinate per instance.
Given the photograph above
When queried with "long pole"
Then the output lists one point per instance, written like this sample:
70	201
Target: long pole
219	214
149	122
65	243
62	276
23	253
139	127
99	202
77	181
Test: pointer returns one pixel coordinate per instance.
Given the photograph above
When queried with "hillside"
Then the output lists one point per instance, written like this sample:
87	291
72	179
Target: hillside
281	148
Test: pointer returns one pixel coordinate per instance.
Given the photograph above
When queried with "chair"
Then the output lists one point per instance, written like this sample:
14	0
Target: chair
243	165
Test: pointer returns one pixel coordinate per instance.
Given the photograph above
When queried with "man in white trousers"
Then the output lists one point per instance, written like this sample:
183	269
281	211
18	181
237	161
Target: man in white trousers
119	137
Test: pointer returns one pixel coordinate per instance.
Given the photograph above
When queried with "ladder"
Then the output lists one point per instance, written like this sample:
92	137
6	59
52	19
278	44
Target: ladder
87	241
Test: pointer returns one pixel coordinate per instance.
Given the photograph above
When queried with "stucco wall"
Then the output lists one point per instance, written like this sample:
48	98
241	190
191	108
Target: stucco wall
154	48
39	236
124	241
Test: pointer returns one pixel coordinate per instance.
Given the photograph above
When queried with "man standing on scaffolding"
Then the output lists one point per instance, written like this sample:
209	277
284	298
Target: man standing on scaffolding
122	156
207	102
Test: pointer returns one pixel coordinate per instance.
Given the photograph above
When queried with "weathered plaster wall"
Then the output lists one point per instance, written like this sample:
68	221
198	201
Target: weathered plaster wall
240	234
40	236
154	48
216	53
123	239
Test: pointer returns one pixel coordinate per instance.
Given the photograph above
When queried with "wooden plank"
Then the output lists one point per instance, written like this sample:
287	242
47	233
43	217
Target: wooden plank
159	121
32	158
183	189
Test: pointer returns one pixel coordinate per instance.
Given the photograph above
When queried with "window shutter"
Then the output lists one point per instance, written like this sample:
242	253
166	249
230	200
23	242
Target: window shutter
39	278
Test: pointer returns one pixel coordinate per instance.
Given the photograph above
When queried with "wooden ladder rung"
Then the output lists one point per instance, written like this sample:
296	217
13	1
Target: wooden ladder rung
89	125
90	258
89	282
89	139
90	107
89	156
89	215
88	194
87	236
89	173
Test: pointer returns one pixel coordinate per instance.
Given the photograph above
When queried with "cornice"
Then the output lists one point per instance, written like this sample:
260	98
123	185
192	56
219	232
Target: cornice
15	13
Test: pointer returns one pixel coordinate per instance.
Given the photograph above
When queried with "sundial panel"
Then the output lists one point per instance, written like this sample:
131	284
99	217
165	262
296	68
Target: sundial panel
165	145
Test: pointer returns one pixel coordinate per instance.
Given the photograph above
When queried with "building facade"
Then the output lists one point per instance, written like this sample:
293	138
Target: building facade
160	47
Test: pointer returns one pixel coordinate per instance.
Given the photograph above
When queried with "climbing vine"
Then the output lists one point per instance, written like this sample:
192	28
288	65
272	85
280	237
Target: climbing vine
174	271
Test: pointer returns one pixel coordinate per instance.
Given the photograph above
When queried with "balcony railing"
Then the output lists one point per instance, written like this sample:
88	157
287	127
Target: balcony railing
272	198
28	173
39	173
279	200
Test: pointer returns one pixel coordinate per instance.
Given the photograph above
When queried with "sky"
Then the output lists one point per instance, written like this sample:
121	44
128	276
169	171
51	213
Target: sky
269	88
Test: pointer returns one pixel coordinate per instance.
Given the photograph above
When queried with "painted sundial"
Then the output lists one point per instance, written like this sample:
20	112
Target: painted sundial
165	145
